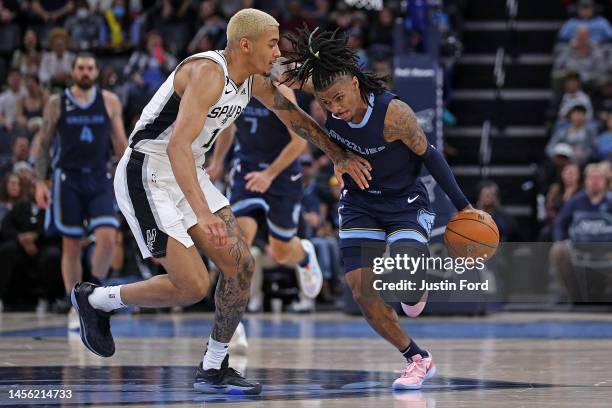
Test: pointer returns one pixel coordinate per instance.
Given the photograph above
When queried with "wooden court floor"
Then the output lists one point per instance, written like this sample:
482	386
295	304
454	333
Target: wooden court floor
320	360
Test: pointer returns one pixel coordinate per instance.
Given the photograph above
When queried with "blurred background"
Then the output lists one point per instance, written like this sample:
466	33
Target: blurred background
517	93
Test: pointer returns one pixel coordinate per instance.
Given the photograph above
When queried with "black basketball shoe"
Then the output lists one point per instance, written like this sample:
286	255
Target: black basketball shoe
225	380
95	324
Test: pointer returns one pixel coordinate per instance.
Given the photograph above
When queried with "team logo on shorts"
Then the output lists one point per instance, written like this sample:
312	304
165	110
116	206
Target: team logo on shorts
426	220
151	236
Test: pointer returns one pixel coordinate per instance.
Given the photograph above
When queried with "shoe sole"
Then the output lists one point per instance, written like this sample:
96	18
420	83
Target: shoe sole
226	389
314	259
430	374
75	304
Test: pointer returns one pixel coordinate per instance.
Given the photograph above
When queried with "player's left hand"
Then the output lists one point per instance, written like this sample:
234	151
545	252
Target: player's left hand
357	167
258	181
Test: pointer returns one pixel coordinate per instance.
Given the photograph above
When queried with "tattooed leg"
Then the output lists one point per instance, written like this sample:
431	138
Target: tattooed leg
236	265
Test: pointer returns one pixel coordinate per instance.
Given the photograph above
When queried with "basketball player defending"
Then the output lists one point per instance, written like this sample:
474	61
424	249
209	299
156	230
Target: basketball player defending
394	209
266	176
169	201
84	122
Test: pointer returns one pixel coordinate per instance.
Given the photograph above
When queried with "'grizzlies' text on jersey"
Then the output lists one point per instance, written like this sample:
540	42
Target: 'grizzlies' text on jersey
153	129
395	168
82	133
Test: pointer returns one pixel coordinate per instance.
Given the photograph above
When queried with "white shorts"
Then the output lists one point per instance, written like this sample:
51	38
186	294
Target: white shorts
154	205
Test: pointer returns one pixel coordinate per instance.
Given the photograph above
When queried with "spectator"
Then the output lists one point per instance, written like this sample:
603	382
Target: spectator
27	59
355	41
574	95
147	70
121	32
26	249
382	33
30	107
173	19
51	12
585	218
86	28
602	100
581	138
296	19
582	56
10	193
8	101
573	220
488	201
604	143
56	65
20	152
212	29
600	28
558	194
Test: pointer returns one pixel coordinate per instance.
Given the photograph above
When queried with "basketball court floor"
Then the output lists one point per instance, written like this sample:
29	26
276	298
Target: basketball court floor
321	360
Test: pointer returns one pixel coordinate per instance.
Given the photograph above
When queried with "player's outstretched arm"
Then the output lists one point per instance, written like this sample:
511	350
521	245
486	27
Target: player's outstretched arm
202	82
115	113
401	124
306	127
51	114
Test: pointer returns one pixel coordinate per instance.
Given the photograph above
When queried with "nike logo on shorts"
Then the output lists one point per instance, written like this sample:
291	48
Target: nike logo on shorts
411	200
295	177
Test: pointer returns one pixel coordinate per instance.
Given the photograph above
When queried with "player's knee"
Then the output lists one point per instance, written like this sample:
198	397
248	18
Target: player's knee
195	291
107	241
353	279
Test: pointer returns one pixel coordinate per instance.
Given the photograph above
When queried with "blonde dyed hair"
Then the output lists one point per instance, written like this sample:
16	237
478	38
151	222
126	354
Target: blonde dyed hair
248	23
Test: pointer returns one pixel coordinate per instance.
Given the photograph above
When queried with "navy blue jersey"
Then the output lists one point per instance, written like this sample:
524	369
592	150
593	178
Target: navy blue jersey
395	168
83	133
581	221
260	136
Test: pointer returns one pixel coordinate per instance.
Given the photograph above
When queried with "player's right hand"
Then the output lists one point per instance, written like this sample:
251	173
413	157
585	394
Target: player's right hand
357	167
42	195
214	228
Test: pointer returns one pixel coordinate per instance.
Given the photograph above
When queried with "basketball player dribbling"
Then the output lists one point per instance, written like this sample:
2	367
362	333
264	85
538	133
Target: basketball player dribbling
394	209
170	203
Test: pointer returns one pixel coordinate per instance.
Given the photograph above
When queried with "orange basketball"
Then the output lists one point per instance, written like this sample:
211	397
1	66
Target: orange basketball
471	234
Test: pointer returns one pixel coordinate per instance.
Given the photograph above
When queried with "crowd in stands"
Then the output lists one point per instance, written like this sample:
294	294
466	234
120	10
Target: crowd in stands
577	178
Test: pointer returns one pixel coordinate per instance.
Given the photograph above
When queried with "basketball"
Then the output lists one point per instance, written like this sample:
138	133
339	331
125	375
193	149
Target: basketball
471	234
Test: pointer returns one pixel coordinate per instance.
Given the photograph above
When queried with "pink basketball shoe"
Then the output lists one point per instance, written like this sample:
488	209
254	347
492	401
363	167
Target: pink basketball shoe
417	370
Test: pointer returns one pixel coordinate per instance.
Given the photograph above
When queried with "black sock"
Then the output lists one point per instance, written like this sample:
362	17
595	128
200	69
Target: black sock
412	350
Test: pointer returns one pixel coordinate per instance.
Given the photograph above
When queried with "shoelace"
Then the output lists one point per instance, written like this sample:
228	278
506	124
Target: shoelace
413	366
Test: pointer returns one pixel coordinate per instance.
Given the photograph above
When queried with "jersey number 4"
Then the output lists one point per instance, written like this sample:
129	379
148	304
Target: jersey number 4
86	135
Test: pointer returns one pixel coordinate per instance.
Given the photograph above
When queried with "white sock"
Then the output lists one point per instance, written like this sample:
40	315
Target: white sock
106	298
215	354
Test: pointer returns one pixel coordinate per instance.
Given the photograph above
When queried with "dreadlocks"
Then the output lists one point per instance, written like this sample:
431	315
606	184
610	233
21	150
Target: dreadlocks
323	57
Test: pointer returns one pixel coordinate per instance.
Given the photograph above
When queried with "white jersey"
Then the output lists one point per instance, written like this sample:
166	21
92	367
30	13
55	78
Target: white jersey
154	128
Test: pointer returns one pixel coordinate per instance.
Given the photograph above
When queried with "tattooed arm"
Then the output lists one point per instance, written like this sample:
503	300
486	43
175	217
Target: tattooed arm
45	136
401	124
304	126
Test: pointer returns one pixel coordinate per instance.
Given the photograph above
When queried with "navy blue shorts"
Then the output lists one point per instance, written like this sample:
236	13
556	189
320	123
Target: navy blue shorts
81	202
281	203
368	220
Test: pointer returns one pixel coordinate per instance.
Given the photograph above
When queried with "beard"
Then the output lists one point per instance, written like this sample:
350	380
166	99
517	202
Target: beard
85	84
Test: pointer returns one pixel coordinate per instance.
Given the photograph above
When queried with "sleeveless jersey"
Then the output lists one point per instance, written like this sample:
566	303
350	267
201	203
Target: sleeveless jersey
157	121
82	138
260	136
395	168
